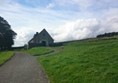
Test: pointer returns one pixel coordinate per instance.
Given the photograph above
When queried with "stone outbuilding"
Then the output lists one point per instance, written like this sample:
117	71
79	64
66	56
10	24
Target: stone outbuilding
41	39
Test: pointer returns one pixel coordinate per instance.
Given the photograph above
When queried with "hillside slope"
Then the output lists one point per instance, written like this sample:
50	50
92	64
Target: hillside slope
93	61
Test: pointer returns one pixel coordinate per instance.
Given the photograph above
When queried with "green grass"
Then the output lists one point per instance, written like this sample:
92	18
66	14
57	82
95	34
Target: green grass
37	51
93	61
4	56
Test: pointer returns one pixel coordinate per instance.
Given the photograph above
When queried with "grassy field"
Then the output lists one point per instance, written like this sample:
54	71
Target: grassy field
4	56
37	51
87	61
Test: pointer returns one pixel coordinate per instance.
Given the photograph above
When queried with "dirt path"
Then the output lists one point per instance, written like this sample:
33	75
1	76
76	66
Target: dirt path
22	68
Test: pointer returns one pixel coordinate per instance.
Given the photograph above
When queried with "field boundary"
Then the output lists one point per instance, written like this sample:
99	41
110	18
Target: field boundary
7	59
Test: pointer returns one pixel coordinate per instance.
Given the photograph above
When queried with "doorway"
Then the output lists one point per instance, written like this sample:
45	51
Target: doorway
43	43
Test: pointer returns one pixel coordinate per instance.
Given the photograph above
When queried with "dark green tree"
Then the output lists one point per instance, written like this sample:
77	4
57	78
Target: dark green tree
7	35
110	34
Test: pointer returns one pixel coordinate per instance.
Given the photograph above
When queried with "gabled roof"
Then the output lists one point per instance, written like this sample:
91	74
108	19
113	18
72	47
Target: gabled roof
41	33
44	31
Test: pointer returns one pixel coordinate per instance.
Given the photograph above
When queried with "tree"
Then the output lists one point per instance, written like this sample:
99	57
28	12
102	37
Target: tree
7	35
110	34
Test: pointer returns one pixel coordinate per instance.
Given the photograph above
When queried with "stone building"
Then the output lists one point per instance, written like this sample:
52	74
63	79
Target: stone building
41	39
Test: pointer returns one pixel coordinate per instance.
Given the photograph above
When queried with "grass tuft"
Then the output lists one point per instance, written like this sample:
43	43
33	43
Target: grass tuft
4	56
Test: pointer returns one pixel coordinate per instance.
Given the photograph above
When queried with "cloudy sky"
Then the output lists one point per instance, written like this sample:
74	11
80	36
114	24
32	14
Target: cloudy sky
63	19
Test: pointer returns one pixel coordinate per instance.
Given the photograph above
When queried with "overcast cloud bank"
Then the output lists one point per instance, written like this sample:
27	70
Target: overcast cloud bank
78	19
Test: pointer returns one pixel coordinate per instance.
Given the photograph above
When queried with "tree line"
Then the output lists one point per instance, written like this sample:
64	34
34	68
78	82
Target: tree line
7	35
110	34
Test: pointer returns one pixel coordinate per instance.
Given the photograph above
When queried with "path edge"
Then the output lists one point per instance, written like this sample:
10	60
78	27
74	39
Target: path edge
8	59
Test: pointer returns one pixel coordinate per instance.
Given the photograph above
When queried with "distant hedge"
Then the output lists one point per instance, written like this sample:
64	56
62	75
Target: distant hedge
111	34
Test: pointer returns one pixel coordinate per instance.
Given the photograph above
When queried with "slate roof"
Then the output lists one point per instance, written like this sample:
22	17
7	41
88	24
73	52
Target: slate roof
42	34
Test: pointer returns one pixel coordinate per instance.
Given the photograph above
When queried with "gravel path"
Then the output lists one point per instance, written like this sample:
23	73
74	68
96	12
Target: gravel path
22	68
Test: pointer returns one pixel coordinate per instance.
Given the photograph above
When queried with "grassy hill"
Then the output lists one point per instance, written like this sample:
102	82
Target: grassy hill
37	51
87	61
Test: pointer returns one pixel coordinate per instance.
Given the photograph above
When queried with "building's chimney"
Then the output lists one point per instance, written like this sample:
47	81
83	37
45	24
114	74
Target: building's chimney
36	34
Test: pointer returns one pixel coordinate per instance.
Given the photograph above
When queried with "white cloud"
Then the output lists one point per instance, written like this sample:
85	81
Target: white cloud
86	28
50	6
3	2
26	21
23	36
79	29
62	24
85	5
72	2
